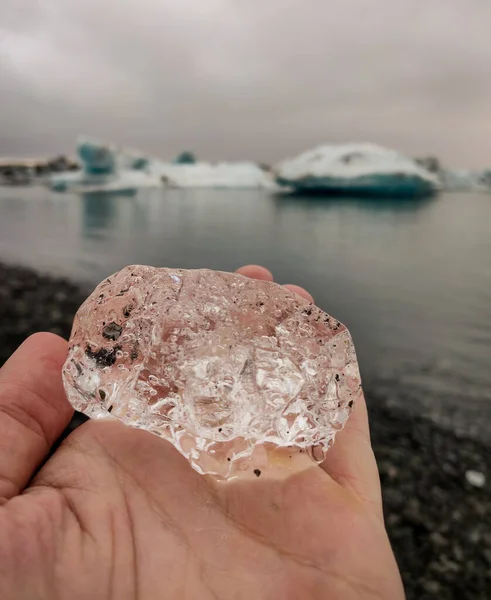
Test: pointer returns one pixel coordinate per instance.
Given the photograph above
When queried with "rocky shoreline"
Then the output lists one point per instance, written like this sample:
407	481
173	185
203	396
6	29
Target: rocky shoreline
438	518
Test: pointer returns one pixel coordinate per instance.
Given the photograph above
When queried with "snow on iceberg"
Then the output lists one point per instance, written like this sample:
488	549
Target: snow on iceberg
240	175
356	168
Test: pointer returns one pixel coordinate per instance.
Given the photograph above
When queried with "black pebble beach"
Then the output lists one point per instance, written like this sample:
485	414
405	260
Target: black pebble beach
438	523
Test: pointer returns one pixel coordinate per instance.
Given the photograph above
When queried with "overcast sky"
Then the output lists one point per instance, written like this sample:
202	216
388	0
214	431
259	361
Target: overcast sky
259	79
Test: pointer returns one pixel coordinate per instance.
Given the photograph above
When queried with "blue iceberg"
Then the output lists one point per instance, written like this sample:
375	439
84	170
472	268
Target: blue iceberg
358	169
96	158
185	158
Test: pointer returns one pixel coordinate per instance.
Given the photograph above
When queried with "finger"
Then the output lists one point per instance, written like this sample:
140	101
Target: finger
255	272
351	461
33	409
300	291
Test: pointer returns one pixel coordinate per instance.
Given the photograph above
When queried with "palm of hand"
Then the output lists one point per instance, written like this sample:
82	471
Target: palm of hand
118	513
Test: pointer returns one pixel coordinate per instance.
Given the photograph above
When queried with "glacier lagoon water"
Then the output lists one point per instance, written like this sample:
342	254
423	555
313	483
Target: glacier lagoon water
410	277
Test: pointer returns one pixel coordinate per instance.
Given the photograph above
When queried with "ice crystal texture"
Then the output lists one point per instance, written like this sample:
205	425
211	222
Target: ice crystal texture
218	364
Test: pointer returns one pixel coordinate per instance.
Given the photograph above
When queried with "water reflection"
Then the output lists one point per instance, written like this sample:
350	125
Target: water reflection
374	204
102	212
97	213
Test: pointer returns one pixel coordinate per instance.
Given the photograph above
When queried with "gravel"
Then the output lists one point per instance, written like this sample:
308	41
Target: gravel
436	485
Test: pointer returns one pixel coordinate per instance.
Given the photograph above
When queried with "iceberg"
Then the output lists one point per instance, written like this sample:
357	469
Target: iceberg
240	175
185	158
466	181
119	182
457	180
97	158
106	168
356	168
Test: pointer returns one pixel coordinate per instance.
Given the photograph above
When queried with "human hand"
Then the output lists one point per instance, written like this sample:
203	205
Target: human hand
118	513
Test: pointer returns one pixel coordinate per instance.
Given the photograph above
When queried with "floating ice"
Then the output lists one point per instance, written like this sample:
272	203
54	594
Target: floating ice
356	169
238	374
106	168
119	182
466	181
97	158
240	175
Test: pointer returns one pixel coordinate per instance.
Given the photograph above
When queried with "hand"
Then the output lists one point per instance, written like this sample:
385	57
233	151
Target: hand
118	513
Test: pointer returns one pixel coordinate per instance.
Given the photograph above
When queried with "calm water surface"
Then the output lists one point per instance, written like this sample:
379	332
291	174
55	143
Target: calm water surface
411	279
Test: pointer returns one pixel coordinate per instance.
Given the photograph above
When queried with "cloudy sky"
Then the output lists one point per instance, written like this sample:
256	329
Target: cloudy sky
260	79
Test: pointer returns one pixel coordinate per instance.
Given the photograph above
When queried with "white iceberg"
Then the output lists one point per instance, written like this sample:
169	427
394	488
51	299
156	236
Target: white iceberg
466	181
240	175
356	168
120	181
106	168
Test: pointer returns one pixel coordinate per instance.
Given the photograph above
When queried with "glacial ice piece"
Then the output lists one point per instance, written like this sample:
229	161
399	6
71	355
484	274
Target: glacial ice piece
106	168
466	181
128	159
100	158
139	163
240	175
430	163
232	371
119	182
356	169
97	158
185	158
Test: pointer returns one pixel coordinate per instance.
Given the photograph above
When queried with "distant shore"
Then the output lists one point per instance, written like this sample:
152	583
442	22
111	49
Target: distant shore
438	522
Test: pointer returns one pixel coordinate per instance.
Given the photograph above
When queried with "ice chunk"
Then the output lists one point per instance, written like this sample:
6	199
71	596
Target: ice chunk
466	181
106	168
97	158
228	369
120	181
185	158
356	169
240	175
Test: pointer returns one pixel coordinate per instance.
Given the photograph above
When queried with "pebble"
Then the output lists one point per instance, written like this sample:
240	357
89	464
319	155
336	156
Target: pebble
476	478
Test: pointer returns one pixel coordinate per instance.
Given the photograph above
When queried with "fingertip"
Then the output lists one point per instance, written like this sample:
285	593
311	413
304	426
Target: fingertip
41	345
296	289
255	272
46	340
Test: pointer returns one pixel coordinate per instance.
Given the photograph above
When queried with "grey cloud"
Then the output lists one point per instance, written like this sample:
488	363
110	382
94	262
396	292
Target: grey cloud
260	79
